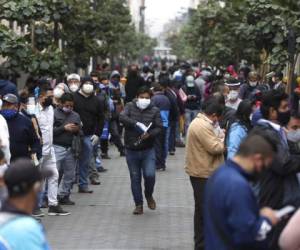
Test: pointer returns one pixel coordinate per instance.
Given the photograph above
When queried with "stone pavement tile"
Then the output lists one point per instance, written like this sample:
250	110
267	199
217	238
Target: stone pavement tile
104	220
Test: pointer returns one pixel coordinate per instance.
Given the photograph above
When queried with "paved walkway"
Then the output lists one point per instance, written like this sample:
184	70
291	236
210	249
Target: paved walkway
104	220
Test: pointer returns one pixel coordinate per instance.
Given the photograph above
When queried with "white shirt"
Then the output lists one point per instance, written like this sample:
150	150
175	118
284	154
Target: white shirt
4	139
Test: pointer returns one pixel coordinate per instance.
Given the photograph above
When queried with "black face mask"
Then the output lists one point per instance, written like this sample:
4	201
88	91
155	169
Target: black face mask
48	101
284	117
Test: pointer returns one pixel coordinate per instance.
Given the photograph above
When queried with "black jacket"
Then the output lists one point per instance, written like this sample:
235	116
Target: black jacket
62	137
174	111
131	115
91	113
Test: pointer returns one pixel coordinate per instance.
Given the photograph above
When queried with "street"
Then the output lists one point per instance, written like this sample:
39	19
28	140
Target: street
104	220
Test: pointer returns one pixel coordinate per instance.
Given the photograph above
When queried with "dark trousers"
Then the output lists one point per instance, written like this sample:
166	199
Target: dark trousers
198	185
172	136
160	149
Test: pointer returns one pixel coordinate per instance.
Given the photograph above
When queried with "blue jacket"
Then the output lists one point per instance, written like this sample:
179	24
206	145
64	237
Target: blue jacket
237	132
162	102
7	87
231	210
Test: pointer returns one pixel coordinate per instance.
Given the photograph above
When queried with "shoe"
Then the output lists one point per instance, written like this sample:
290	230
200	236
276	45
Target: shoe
151	203
38	213
57	210
85	190
105	156
95	182
122	154
172	153
138	210
101	170
65	200
180	144
161	169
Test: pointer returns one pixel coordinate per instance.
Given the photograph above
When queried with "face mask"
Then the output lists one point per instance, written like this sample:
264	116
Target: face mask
283	117
66	110
48	101
143	103
8	113
190	84
88	89
58	92
30	109
252	84
294	135
73	87
233	95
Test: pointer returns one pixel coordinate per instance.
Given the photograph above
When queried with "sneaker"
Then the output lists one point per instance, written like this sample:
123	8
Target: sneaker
138	210
180	144
101	170
38	213
172	153
151	203
85	190
95	182
65	200
57	210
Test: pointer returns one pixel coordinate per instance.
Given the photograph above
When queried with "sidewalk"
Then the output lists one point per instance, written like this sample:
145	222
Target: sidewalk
104	220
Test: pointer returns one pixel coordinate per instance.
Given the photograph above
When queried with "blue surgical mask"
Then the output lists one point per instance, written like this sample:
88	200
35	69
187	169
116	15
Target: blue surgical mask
8	113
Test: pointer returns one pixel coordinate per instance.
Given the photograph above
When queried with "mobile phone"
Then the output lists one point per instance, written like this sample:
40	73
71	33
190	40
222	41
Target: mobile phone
285	211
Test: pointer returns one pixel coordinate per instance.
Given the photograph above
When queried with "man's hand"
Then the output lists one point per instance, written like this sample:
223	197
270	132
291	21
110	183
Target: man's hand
71	127
141	126
94	139
270	214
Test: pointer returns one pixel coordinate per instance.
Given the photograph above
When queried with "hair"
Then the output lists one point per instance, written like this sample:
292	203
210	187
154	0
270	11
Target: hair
67	97
243	113
94	74
295	115
23	96
44	89
220	98
143	90
212	106
256	144
272	99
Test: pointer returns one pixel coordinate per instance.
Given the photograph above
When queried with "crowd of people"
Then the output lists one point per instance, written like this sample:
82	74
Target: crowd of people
241	134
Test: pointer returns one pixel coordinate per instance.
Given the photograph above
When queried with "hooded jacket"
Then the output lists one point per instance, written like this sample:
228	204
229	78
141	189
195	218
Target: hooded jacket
131	115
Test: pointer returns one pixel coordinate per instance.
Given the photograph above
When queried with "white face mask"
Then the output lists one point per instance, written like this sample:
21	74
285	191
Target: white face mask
252	84
143	103
233	95
294	135
190	84
31	109
73	87
88	88
58	93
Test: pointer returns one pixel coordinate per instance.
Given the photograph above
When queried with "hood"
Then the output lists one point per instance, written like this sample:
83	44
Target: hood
115	73
3	83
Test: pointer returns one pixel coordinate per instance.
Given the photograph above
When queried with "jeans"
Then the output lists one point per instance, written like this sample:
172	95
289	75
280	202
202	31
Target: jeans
160	149
190	115
198	185
49	162
172	136
141	162
84	161
66	166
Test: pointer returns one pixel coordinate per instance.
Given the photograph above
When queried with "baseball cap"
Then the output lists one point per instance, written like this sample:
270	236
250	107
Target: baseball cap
21	175
11	98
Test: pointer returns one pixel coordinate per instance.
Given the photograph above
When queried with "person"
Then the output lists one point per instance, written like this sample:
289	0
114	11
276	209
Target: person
233	99
248	89
67	125
147	76
6	86
162	102
277	82
193	103
290	237
204	153
73	81
142	124
232	217
239	129
293	134
45	117
4	138
58	92
89	108
18	229
134	82
22	137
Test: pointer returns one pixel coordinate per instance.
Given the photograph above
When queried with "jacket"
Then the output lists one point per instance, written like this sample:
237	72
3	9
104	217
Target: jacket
231	212
204	150
4	139
174	111
162	102
236	134
130	116
278	185
192	104
61	136
91	113
7	87
134	82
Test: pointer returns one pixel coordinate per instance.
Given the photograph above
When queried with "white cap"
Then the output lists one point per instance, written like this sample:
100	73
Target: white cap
73	77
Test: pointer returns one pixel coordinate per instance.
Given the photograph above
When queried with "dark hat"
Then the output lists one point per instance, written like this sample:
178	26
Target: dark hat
11	98
21	175
232	82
